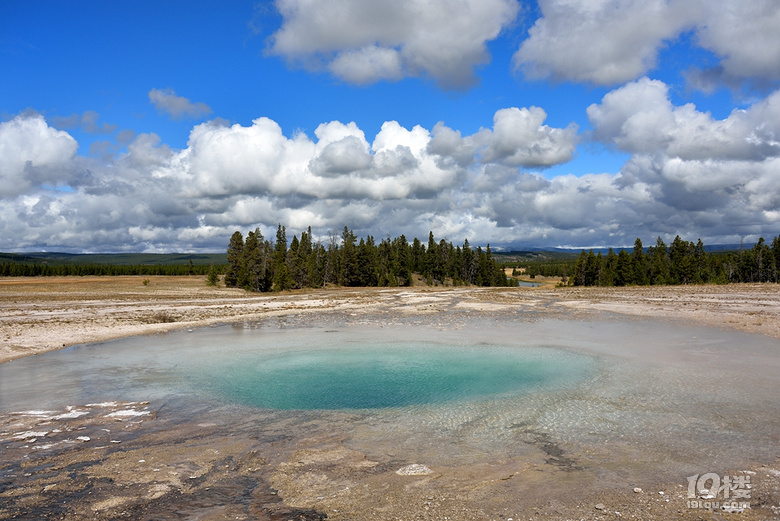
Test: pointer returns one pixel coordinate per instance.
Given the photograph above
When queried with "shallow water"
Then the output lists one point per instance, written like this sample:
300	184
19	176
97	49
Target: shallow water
342	374
613	400
289	369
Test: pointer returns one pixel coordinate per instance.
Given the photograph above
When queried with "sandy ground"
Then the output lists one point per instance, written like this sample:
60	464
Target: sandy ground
43	314
129	461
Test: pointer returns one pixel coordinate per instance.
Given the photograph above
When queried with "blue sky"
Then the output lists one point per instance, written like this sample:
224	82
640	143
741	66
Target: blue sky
166	126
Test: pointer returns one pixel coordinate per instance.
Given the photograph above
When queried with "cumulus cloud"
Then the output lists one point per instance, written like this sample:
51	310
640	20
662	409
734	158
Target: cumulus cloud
178	107
362	41
710	174
640	118
260	159
520	138
744	34
607	42
604	41
32	153
688	174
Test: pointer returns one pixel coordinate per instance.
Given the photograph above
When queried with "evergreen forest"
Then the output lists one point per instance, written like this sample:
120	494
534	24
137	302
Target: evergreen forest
258	264
28	268
681	262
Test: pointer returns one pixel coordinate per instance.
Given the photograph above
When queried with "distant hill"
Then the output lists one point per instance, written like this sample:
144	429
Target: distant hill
536	255
552	255
205	259
115	259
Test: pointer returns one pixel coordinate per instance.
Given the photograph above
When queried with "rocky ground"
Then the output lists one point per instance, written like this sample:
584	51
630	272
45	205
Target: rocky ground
42	314
128	461
133	461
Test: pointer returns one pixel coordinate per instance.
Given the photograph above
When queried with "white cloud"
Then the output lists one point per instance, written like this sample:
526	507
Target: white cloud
703	177
608	42
710	174
744	34
365	41
640	118
601	41
346	155
368	65
520	138
178	107
32	153
260	160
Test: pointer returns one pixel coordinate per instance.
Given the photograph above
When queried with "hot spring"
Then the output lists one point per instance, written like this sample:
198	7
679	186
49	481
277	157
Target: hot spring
561	405
291	369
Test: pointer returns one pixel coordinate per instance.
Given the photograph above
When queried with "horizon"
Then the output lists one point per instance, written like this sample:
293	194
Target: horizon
530	249
533	124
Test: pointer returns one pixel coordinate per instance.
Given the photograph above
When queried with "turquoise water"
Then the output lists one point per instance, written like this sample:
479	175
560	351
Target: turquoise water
380	375
291	369
624	400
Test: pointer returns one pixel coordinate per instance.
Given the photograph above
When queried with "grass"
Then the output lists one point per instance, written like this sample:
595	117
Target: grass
162	317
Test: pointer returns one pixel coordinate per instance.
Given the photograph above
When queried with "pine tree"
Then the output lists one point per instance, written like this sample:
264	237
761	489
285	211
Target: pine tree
578	277
235	253
302	274
291	259
700	263
763	255
609	272
349	274
250	263
403	255
418	256
592	268
282	279
367	263
681	265
775	263
465	262
316	265
623	271
659	264
454	268
639	267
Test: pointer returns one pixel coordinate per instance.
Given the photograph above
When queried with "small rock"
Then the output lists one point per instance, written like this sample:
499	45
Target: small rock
637	490
84	438
415	469
600	506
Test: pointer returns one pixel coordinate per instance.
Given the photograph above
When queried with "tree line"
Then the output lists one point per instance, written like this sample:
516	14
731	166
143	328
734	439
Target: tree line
682	262
21	269
257	264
